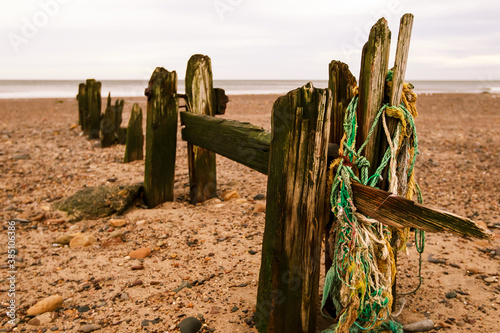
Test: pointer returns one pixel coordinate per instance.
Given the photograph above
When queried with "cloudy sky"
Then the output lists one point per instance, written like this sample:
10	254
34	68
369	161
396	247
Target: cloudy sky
246	39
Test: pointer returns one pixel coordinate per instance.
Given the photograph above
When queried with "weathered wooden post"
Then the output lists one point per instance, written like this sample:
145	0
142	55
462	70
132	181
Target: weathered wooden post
295	217
135	138
82	106
342	84
108	125
200	98
220	101
374	62
161	137
94	108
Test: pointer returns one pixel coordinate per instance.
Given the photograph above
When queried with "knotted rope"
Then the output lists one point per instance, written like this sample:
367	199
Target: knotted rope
363	270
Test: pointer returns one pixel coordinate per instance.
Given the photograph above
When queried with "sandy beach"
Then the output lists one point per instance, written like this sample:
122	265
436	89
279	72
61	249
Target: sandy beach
205	259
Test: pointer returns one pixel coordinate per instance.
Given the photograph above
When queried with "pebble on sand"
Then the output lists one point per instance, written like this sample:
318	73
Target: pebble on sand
228	195
89	328
65	239
117	223
259	207
140	253
48	304
42	319
82	240
190	325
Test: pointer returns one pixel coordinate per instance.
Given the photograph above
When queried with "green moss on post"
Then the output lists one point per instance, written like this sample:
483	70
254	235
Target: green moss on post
288	289
161	137
135	137
200	95
94	108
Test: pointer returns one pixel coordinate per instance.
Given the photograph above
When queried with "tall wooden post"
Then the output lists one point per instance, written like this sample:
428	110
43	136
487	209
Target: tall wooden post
342	84
82	106
200	97
161	137
135	138
296	192
94	108
374	62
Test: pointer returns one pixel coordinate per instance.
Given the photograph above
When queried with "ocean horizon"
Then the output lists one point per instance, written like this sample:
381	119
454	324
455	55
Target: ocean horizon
13	89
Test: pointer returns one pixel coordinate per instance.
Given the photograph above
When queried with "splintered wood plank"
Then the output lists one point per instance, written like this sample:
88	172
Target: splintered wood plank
200	98
394	210
291	250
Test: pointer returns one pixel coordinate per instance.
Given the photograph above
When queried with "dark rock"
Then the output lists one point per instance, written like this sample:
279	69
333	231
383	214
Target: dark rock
183	285
234	309
252	252
84	308
190	325
451	294
259	197
433	260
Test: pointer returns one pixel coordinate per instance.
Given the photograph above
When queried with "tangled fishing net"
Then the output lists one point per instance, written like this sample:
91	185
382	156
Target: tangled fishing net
360	279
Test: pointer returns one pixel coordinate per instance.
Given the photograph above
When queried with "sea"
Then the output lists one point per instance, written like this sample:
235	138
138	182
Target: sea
133	88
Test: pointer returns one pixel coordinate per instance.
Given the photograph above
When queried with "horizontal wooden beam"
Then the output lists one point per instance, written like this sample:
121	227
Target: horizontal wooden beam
241	142
249	145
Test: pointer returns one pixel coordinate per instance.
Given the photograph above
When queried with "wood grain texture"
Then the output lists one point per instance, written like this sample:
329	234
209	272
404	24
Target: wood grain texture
200	98
161	137
295	216
241	142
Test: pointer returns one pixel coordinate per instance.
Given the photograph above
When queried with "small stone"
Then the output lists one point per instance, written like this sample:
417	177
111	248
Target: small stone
252	252
215	310
89	328
155	283
228	195
116	234
144	323
141	222
259	207
136	283
82	240
241	200
259	197
234	308
460	323
42	319
117	223
124	296
65	239
137	267
490	279
433	260
190	325
84	308
451	294
112	242
183	285
140	253
17	157
48	304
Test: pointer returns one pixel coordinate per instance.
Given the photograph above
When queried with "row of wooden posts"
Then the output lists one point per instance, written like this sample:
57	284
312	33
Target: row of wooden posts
305	123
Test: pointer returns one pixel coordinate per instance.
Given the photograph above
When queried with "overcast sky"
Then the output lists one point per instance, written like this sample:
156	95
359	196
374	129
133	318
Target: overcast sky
246	39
